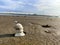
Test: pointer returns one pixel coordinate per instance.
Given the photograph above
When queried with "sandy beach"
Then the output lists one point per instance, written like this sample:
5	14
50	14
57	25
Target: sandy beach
39	30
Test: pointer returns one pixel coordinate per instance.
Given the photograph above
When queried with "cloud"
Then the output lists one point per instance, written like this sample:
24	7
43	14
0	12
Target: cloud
51	7
17	5
11	5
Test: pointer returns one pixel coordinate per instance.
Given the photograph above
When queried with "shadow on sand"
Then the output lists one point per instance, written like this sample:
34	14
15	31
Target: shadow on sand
7	35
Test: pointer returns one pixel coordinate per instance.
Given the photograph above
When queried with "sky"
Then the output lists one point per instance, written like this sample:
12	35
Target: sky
42	7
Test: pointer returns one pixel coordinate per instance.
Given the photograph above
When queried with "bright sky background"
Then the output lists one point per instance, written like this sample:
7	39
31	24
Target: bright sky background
49	7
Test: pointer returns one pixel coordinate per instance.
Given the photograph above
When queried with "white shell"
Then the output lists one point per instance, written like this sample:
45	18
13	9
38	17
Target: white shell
20	31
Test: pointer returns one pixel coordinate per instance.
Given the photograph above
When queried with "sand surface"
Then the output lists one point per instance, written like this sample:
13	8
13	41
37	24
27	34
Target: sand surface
39	30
